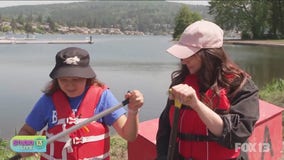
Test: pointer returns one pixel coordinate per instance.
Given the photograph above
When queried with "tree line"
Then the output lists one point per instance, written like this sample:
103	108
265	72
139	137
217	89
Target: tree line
255	19
252	19
148	17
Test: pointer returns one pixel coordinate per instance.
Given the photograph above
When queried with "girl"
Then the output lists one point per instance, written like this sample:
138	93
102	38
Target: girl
74	95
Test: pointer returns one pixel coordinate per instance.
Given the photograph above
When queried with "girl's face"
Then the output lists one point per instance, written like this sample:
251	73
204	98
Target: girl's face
193	63
72	86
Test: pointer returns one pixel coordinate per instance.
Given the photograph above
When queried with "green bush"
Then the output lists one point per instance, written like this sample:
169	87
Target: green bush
273	92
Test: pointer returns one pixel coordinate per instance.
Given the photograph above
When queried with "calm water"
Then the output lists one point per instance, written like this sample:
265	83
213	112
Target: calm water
122	62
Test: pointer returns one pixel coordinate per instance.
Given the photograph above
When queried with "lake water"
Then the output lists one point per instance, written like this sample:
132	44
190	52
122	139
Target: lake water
122	62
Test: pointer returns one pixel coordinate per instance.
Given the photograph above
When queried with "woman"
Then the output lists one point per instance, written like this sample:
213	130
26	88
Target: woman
74	95
219	100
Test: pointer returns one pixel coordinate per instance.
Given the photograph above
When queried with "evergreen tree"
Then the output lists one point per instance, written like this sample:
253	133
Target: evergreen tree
13	25
39	19
51	24
21	19
184	18
28	28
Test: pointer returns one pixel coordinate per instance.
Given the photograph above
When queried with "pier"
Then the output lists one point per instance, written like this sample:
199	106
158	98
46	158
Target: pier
42	41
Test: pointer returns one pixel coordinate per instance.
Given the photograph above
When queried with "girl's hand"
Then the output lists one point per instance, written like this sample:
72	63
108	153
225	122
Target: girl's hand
136	100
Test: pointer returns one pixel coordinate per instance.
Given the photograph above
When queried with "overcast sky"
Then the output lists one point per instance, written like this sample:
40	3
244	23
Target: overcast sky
200	2
16	3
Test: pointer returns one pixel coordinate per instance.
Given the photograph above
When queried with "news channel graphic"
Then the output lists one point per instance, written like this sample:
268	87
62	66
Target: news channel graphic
28	143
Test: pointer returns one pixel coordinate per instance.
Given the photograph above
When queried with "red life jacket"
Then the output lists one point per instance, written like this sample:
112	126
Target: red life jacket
89	142
190	125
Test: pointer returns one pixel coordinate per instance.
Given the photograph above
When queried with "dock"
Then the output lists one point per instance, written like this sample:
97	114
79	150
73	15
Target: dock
42	41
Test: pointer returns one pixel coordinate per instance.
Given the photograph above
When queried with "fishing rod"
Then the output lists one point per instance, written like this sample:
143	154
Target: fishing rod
79	125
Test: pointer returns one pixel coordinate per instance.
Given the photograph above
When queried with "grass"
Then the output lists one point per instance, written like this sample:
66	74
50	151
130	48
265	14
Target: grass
118	149
5	152
273	92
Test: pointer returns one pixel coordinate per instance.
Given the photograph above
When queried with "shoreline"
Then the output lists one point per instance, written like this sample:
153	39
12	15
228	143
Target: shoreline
90	41
255	42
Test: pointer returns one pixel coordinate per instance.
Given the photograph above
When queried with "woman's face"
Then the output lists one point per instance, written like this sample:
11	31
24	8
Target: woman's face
193	63
72	86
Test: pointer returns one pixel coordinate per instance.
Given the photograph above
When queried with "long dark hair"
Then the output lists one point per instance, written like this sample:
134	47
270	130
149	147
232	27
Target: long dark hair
53	85
217	70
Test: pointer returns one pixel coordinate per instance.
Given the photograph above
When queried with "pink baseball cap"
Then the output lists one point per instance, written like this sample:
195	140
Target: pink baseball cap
198	35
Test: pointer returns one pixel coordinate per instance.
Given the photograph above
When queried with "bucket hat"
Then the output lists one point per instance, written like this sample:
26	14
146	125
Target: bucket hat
72	62
198	35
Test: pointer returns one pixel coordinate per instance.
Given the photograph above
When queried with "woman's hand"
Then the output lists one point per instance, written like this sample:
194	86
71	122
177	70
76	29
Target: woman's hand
185	94
136	100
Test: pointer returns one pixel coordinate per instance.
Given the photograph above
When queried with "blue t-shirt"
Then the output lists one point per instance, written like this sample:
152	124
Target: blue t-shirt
44	113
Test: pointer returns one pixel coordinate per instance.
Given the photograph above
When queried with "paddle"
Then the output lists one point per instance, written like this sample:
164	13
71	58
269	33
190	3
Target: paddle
173	134
79	125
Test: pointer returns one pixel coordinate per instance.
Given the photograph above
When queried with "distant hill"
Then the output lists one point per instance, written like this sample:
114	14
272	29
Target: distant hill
155	17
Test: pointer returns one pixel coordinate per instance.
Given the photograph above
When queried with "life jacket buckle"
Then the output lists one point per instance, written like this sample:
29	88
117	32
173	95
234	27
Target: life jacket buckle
71	120
197	138
78	140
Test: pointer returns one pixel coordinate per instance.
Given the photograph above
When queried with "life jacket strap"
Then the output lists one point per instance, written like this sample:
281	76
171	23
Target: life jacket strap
180	157
81	140
195	137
